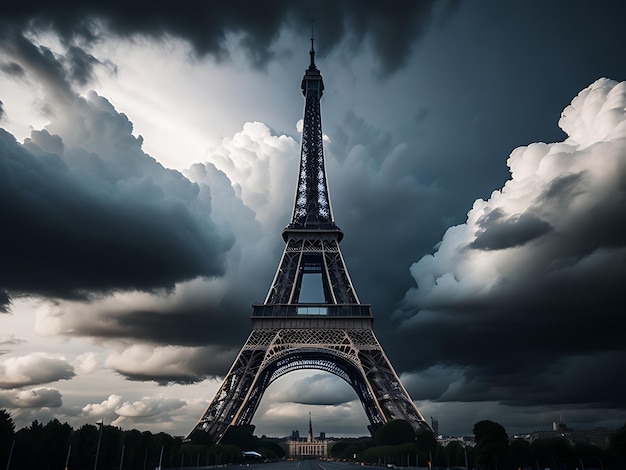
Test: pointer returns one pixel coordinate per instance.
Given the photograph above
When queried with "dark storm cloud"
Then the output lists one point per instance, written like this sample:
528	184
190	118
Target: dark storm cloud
390	28
509	233
536	305
89	211
12	68
81	65
77	225
39	61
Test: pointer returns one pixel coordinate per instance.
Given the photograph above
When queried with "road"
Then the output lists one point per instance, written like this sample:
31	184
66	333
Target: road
289	465
306	465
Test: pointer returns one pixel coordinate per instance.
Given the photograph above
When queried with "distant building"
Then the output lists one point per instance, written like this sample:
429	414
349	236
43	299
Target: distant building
434	425
598	437
309	448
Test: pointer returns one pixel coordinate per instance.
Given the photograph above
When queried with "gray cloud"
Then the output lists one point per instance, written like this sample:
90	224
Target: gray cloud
31	398
33	369
77	224
81	65
170	364
135	414
10	339
318	389
514	231
12	69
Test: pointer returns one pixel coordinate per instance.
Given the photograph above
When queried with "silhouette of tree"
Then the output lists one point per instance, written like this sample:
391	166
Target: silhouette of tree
520	454
84	444
491	444
7	436
553	452
455	454
618	445
348	448
29	445
426	441
55	444
394	432
201	438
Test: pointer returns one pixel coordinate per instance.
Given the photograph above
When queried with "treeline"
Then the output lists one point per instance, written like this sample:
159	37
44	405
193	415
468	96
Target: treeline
56	446
396	444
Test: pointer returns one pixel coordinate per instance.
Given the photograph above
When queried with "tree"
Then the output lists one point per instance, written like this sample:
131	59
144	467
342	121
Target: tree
240	436
7	436
520	453
348	448
618	444
394	432
491	444
455	454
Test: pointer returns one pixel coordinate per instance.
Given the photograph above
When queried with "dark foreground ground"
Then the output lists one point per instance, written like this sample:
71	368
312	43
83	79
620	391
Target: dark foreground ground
288	465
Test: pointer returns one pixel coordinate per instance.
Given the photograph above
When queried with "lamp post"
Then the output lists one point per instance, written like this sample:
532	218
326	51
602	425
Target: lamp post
465	453
122	458
67	459
10	454
100	425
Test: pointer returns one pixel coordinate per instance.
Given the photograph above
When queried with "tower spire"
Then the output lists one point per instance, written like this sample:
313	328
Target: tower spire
312	52
312	205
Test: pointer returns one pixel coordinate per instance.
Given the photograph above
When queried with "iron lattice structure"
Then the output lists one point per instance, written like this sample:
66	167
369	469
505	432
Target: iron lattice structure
334	334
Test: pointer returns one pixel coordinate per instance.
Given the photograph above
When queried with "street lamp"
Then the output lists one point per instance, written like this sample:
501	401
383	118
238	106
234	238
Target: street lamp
465	452
100	425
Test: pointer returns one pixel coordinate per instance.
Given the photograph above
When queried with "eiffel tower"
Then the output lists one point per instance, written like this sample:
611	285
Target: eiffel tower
332	332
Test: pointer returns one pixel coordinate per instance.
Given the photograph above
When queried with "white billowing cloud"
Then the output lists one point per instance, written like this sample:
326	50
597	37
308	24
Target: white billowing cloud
104	409
31	398
557	218
166	364
258	164
33	369
169	412
86	363
150	406
596	114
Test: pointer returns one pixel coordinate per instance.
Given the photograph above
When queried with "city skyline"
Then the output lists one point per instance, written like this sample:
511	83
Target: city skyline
475	158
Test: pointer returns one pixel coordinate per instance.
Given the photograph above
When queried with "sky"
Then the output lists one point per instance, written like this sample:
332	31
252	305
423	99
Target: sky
476	159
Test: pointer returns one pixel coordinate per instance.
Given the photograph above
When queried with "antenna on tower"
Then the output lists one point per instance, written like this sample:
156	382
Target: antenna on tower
312	43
